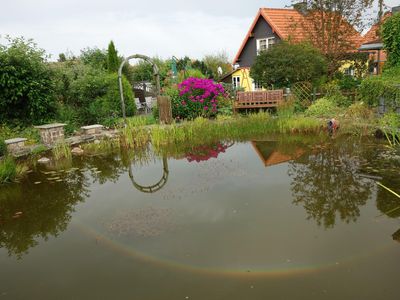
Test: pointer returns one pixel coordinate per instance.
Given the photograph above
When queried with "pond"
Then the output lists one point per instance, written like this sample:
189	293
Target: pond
272	218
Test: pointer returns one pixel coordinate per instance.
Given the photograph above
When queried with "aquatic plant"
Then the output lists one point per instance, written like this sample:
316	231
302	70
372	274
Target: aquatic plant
135	134
8	170
62	150
390	124
104	146
203	131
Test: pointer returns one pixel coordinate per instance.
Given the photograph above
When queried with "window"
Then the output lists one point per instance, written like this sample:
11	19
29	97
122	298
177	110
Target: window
236	82
257	86
349	71
265	44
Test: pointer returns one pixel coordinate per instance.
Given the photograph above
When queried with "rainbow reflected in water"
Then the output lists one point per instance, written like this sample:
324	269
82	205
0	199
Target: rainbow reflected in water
291	271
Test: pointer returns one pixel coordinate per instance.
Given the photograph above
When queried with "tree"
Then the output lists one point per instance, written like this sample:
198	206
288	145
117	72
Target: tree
215	61
26	88
286	64
94	57
113	60
331	26
391	39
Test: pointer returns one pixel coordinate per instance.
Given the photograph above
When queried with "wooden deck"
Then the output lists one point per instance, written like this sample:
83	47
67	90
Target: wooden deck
261	99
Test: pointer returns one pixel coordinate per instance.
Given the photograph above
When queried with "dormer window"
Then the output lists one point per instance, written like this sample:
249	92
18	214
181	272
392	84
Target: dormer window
264	44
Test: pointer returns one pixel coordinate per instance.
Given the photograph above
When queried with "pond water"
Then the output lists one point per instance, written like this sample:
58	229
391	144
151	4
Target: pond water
272	218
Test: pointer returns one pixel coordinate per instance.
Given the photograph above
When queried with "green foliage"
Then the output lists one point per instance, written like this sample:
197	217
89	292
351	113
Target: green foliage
26	88
113	60
142	71
94	57
8	170
286	109
225	106
386	86
390	124
98	99
359	111
194	73
391	39
88	95
8	132
348	83
286	64
323	107
61	150
3	147
333	92
214	61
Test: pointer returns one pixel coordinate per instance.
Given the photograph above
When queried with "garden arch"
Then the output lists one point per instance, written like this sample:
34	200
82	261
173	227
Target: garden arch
155	187
156	74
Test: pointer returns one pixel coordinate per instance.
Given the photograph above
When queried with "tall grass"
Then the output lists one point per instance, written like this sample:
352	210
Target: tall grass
8	170
202	131
62	150
135	134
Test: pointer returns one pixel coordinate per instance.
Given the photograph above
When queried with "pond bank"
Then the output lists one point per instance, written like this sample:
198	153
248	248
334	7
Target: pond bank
138	135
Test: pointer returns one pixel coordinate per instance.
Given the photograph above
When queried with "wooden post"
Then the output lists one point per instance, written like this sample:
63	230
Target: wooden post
165	109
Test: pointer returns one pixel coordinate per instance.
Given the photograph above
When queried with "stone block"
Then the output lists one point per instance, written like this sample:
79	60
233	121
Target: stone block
92	129
14	145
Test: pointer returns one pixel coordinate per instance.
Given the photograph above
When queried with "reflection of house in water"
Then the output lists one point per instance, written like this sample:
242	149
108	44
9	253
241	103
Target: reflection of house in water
396	236
270	155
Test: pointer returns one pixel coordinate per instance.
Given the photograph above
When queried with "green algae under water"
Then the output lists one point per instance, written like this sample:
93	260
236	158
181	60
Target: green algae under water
264	219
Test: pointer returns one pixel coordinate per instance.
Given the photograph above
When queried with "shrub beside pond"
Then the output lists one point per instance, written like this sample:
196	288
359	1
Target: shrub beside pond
196	97
8	170
323	107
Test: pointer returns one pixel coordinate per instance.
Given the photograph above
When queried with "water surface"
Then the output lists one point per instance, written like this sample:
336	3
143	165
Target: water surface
269	218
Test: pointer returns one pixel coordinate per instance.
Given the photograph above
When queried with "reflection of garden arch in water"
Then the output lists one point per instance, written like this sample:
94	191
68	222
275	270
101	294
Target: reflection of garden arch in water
155	187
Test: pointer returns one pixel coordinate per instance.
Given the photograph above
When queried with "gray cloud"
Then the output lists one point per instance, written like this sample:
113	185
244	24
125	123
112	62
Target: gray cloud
162	28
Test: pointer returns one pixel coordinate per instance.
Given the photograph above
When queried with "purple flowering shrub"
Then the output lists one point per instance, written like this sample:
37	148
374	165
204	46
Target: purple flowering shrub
198	97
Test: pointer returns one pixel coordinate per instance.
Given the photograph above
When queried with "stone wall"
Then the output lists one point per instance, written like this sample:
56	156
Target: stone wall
52	133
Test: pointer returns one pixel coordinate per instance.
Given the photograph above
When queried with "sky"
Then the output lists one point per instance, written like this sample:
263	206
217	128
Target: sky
154	27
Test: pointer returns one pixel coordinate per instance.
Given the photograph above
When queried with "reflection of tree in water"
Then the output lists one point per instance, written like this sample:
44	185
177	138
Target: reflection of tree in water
46	211
47	207
327	182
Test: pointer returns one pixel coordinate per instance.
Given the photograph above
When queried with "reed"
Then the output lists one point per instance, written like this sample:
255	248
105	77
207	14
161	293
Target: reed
135	134
8	170
61	150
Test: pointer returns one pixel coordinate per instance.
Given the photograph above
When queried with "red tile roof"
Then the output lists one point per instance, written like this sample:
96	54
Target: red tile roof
289	24
373	33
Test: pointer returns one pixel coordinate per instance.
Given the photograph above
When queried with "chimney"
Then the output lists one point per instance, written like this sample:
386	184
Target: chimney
395	9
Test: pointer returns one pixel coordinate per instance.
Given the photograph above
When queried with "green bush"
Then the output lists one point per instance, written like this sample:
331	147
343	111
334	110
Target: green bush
3	148
348	83
391	39
88	95
286	64
323	107
8	170
26	86
359	110
386	86
333	92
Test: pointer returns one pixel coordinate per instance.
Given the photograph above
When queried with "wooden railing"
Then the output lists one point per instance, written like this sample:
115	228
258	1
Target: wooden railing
259	99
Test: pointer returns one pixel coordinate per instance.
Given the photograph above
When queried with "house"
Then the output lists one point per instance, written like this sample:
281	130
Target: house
270	26
374	46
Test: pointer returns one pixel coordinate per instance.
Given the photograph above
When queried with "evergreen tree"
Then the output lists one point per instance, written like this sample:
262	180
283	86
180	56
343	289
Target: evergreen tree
113	61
